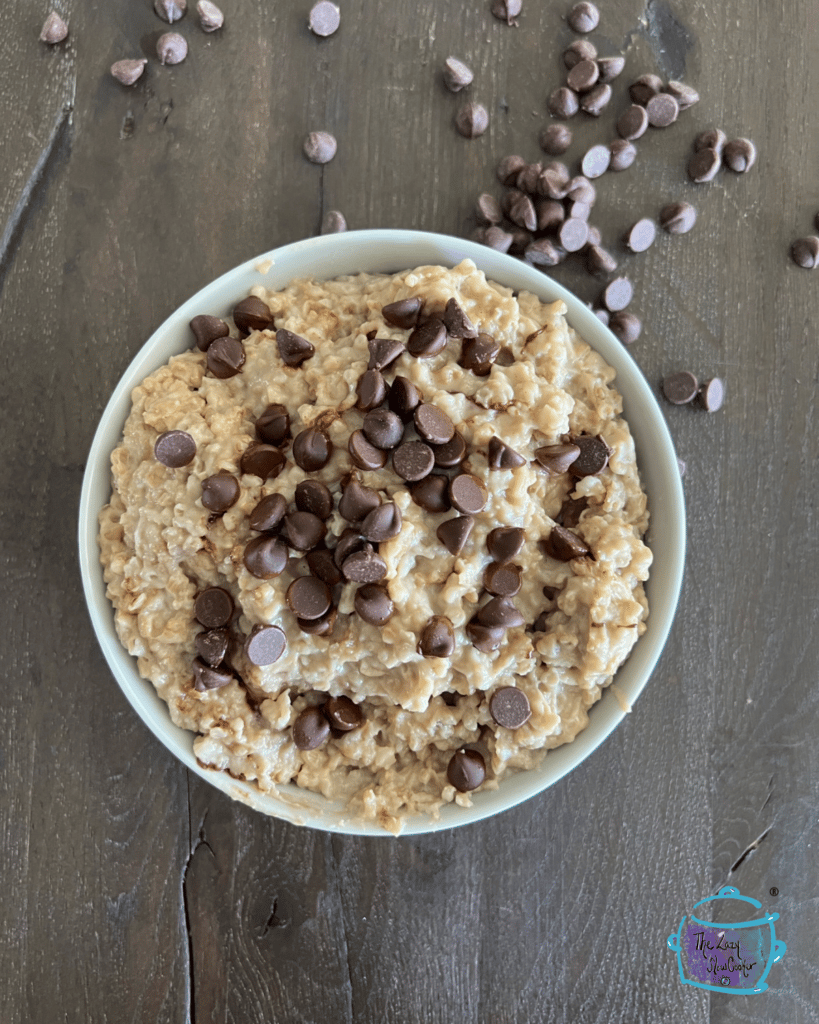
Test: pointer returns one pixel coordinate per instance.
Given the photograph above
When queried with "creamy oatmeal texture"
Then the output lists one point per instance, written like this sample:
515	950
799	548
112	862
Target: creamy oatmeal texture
161	548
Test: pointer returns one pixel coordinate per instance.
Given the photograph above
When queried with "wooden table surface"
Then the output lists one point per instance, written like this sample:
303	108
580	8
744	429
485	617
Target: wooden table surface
132	890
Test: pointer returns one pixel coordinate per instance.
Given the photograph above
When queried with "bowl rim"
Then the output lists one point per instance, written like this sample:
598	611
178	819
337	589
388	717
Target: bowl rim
382	250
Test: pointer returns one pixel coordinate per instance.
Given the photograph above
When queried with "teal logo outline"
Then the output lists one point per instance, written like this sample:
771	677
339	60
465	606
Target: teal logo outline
732	974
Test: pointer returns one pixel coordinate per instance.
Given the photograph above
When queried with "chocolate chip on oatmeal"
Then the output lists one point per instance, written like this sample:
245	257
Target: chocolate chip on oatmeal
500	612
413	460
563	103
805	252
625	326
484	638
206	677
704	165
383	428
680	387
308	597
293	349
557	458
579	49
128	72
641	235
175	449
324	18
314	496
504	542
428	339
170	10
252	314
273	425
450	454
320	147
364	454
349	541
371	390
365	566
433	424
225	357
643	88
432	493
623	155
457	75
632	123
357	501
343	714
472	120
454	533
265	557
739	155
382	523
263	460
596	161
312	449
320	562
502	579
570	512
384	352
403	313
310	729
466	770
555	139
501	456
711	138
403	398
506	10
510	707
210	17
457	323
617	294
207	329
599	261
212	646
268	513
678	218
54	29
437	638
213	607
220	491
467	493
712	394
564	545
321	626
593	457
373	604
610	68
662	110
478	354
265	645
583	76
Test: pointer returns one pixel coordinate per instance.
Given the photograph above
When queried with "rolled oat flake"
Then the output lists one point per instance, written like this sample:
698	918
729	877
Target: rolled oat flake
171	48
510	707
325	18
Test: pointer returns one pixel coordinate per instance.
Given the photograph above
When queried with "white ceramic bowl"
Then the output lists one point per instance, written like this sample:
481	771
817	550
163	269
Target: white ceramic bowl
389	251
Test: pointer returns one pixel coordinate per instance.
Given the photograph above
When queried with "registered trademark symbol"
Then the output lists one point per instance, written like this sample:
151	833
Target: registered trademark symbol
774	891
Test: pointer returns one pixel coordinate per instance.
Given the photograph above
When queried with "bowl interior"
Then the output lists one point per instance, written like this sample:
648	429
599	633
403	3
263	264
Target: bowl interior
385	252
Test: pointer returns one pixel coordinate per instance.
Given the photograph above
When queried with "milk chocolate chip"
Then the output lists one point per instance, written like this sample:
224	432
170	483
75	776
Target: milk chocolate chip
403	313
485	638
504	542
357	502
207	678
373	604
437	638
593	458
263	460
428	339
212	646
383	428
175	449
454	533
268	513
557	458
273	425
467	493
382	524
502	579
432	493
265	645
364	454
501	456
564	545
457	323
510	707
365	566
478	354
308	597
433	424
403	398
314	496
384	352
265	557
413	460
220	492
303	531
213	607
343	714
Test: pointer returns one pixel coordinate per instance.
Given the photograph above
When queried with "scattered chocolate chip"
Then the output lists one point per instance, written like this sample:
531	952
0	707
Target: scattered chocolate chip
324	19
641	235
321	564
128	71
564	545
573	234
543	252
273	425
509	168
596	161
662	110
206	329
805	252
644	88
623	155
312	449
484	638
210	17
704	165
595	238
502	579
583	17
466	770
310	729
593	457
711	138
500	612
212	646
610	68
252	314
220	492
625	326
450	454
553	181
678	218
384	352
322	626
213	607
403	313
175	448
428	339
357	502
467	493
472	120
364	566
432	493
433	424
382	523
555	139
314	496
293	349
308	597
602	315
739	155
617	294
320	147
206	677
333	223
343	714
371	390
437	638
596	100
712	394
507	10
680	388
504	543
583	76
170	10
54	29
373	604
225	357
265	645
383	428
456	74
263	460
413	460
563	103
510	707
578	211
557	458
498	239
171	48
265	557
501	456
600	261
403	398
365	455
685	95
632	123
454	533
487	209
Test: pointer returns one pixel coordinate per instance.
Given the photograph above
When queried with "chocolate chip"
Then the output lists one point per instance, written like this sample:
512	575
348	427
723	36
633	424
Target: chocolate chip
805	252
466	770
602	315
596	161
596	100
320	147
578	50
564	545
678	218
128	72
333	223
263	460
487	209
502	579
413	460
265	645
265	557
484	638
175	449
308	597
371	390
432	493
384	352
685	95
662	110
171	48
433	424
456	74
268	513
681	466
600	261
365	566
343	714
428	339
583	76
206	329
403	313
570	512
252	314
450	454
220	492
509	167
54	29
555	139
349	542
507	10
382	523
207	678
583	17
578	211
210	17
225	357
501	456
324	19
623	155
314	496
293	349
617	294
504	542
403	398
544	253
573	234
712	394
310	729
312	449
472	120
373	604
550	593
383	428
273	425
610	68
563	103
557	458
632	123
510	707
457	323
213	607
625	326
500	612
498	239
680	388
704	165
478	354
644	88
593	457
364	454
641	235
170	10
321	564
437	638
357	502
711	138
212	646
467	493
739	155
454	533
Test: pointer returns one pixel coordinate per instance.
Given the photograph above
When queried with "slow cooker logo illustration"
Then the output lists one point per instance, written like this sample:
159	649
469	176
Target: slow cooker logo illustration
732	953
